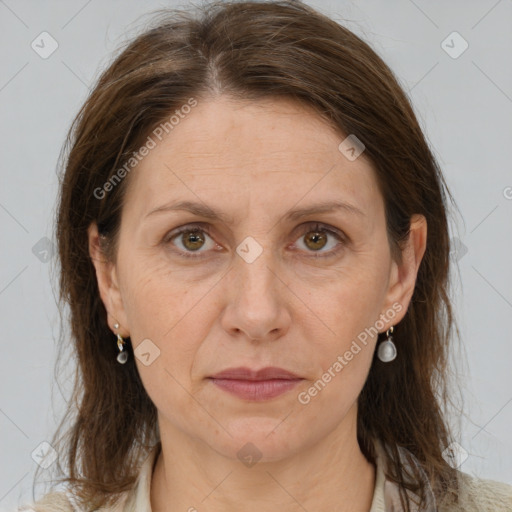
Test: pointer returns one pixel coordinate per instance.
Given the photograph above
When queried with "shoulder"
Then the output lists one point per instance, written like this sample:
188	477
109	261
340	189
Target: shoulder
481	495
62	501
57	501
136	498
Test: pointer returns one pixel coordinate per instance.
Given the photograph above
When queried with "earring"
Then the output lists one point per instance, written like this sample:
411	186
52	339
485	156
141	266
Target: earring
387	349
122	357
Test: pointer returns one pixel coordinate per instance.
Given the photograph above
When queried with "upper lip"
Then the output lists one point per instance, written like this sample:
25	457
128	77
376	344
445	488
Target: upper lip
244	373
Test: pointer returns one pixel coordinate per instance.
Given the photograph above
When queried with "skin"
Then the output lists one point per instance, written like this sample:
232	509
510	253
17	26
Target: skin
255	161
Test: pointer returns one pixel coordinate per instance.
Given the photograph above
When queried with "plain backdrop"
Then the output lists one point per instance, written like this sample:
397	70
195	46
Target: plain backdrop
454	60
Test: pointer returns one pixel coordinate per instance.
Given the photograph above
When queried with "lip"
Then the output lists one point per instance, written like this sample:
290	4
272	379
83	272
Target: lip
244	373
256	385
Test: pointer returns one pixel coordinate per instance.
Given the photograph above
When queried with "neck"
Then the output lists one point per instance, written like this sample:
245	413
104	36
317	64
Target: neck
332	474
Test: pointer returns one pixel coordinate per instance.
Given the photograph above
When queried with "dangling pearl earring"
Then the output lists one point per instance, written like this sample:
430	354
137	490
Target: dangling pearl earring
122	357
387	349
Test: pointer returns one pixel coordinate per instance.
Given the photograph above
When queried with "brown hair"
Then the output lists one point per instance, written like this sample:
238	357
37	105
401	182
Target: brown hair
248	51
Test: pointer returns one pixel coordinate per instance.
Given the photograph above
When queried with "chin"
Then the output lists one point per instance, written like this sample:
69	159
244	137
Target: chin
257	438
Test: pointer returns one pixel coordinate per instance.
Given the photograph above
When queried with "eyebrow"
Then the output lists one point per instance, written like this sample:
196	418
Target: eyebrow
208	212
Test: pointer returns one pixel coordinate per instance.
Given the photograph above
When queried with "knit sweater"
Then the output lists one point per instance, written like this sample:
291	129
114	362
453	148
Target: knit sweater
476	495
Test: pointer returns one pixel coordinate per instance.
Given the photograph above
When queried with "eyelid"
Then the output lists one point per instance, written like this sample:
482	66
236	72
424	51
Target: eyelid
311	226
304	228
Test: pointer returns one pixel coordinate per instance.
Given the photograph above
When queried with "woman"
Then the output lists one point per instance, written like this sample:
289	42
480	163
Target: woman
254	247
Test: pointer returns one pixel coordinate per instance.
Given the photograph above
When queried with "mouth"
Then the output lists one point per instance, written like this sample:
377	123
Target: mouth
256	385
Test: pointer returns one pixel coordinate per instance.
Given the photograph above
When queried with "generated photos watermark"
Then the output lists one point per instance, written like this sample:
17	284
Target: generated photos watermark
158	133
304	397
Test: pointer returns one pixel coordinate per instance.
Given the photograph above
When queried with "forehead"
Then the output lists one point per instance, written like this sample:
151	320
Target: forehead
269	153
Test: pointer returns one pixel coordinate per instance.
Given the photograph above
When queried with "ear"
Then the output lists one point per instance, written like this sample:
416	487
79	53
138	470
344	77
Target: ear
403	275
108	286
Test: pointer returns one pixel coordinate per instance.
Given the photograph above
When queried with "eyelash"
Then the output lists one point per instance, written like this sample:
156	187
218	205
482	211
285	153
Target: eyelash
307	228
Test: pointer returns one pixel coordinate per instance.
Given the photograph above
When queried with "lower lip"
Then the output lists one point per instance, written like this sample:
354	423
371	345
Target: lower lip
256	390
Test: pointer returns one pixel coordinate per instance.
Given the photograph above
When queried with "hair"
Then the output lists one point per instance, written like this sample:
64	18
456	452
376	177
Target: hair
250	51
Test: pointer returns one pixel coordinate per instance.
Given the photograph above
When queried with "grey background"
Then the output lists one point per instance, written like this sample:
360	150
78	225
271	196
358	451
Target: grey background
464	105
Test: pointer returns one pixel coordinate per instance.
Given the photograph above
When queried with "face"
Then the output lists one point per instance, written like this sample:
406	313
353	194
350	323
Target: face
258	287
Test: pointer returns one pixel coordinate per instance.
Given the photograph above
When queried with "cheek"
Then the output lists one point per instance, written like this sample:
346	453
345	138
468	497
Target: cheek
147	301
154	295
348	303
163	324
165	308
343	341
342	345
152	309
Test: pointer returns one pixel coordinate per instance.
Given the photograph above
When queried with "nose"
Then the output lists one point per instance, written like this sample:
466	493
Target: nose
257	300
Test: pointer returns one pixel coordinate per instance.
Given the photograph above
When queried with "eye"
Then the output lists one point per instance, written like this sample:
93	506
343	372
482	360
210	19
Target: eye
192	238
316	236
